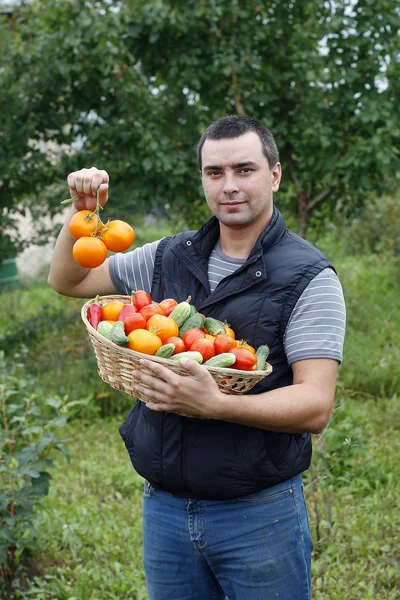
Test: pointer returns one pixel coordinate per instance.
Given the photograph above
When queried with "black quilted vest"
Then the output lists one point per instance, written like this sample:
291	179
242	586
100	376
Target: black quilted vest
209	459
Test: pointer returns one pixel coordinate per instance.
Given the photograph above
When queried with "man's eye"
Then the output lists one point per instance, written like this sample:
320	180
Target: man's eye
245	170
214	173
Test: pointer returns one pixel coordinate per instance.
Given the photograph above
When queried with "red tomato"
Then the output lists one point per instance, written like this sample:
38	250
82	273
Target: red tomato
205	347
191	335
126	311
134	321
245	359
141	299
177	342
224	343
150	310
168	306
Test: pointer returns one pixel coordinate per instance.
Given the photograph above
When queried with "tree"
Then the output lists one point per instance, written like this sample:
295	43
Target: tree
131	86
323	76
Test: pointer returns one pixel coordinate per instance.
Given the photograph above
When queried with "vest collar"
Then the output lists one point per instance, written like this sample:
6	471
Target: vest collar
194	252
203	241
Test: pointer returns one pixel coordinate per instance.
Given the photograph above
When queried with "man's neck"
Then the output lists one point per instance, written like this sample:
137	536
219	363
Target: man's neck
238	242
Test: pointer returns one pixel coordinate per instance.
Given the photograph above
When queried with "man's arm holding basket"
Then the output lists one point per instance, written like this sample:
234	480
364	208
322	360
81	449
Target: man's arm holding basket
304	406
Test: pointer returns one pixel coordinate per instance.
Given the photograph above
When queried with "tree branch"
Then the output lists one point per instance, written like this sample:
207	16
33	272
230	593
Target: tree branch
296	180
238	98
319	198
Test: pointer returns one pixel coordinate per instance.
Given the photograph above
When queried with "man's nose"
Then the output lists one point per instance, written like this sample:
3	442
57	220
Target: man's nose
230	184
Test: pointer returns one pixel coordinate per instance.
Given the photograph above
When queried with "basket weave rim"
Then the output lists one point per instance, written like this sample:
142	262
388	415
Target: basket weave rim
139	355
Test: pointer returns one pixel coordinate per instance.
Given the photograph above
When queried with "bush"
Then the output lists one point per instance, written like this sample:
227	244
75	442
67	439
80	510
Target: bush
47	327
27	440
375	229
371	362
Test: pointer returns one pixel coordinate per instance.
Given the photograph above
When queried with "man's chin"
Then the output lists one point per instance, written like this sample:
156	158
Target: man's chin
235	221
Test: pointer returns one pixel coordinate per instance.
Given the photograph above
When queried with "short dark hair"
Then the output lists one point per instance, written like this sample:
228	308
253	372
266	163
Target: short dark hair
236	125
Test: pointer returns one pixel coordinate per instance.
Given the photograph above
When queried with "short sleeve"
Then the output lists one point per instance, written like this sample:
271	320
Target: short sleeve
316	327
133	270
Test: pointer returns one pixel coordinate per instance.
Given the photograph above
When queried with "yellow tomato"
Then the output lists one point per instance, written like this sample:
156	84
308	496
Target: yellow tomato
229	331
144	341
244	344
111	310
210	337
163	327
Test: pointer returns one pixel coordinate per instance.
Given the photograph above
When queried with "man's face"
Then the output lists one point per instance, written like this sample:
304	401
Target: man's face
237	181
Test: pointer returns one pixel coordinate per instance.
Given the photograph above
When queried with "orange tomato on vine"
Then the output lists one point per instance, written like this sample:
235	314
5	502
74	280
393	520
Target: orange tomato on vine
89	252
94	238
83	224
117	235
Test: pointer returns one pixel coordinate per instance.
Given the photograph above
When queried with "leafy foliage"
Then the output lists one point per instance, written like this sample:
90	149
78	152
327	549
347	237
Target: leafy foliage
130	87
90	536
27	439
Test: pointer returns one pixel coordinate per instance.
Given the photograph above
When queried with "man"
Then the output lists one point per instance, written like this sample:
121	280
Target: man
224	511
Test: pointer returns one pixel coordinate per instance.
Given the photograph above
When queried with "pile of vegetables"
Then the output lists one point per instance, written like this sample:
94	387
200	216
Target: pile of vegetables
173	330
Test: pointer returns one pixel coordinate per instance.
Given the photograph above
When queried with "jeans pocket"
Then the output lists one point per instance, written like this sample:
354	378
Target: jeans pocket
307	518
270	494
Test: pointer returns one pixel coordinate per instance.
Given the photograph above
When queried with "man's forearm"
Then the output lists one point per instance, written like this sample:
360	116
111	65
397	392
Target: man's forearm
65	273
293	409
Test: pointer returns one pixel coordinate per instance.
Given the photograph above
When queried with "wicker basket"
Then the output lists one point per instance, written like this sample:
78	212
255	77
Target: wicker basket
115	363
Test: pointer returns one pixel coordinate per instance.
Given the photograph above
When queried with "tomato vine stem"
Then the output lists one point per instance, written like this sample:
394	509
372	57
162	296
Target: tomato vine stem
69	200
100	224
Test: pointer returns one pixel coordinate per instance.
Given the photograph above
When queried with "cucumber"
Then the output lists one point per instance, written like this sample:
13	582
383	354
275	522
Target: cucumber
180	313
213	326
223	360
192	355
195	321
104	328
166	351
117	334
262	355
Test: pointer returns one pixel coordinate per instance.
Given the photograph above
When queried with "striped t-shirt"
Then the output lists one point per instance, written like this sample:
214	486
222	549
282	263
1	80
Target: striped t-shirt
316	326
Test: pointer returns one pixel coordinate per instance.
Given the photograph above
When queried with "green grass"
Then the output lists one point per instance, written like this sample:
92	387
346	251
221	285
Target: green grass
91	527
357	551
372	346
90	534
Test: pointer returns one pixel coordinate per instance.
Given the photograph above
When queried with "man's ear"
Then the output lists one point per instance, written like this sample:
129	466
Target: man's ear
276	173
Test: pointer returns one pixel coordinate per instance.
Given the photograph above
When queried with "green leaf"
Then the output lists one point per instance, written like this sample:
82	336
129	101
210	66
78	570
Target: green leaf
55	402
41	485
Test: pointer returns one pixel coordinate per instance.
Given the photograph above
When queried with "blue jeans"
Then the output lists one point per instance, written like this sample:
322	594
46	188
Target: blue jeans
257	547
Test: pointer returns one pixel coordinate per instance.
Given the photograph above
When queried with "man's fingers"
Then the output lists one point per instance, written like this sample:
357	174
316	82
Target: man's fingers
192	366
149	381
94	179
157	369
103	193
80	204
87	181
